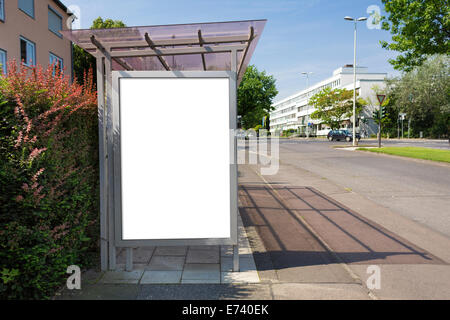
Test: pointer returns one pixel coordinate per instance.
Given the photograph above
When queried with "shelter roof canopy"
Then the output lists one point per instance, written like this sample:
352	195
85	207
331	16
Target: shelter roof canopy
190	47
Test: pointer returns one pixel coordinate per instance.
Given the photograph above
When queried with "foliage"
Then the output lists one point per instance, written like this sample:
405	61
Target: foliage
48	180
288	132
255	95
83	61
332	106
258	127
99	23
424	95
420	28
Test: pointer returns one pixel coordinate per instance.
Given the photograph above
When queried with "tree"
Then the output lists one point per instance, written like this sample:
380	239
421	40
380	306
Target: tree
424	95
420	28
99	23
334	105
84	61
255	95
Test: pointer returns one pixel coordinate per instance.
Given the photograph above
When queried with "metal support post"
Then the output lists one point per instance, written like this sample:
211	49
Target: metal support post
129	259
110	163
234	68
354	141
102	164
236	258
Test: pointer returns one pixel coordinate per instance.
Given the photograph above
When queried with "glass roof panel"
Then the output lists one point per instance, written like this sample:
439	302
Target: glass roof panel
183	37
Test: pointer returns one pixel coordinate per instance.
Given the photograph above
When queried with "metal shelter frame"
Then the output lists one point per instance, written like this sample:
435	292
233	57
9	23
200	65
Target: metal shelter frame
109	50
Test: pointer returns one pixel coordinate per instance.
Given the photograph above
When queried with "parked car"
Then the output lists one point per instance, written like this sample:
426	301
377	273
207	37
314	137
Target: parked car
342	135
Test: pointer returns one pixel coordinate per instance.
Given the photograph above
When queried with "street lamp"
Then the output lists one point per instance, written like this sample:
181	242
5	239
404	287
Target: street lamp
354	76
307	77
307	86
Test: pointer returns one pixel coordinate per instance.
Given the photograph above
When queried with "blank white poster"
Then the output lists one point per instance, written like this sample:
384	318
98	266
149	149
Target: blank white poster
175	154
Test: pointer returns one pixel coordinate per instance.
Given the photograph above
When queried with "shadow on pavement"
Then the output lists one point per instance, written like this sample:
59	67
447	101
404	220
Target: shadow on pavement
283	216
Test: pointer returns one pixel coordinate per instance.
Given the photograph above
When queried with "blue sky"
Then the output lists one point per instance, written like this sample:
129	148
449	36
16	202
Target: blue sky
300	35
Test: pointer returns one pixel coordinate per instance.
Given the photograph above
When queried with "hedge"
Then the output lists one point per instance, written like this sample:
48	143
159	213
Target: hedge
49	196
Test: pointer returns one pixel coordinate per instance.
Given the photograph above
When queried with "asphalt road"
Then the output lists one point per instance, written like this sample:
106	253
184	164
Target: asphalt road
415	189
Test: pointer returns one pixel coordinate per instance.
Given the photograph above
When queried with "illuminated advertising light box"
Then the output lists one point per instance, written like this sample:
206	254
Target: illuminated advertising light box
174	172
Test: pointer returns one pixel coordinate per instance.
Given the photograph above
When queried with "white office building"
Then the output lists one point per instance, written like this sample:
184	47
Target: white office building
295	113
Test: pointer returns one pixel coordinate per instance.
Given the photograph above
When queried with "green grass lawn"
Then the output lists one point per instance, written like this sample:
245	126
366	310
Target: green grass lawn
361	146
414	152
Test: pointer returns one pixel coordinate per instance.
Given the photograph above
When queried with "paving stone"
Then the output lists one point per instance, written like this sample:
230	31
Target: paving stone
91	277
246	263
226	251
203	247
201	272
140	255
166	263
170	251
136	266
203	256
161	277
122	277
240	277
120	255
226	263
143	255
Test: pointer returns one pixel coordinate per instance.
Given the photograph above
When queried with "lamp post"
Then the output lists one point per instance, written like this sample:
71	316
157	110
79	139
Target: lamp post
354	76
307	86
307	78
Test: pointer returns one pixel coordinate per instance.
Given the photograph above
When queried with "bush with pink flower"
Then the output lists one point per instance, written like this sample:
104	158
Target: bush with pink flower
49	196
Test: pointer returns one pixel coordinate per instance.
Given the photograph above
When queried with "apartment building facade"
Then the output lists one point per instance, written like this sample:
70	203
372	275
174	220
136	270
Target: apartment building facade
30	33
294	112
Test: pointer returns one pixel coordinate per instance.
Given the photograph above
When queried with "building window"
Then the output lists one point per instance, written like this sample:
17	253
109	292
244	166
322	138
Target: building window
54	22
57	62
27	52
3	61
2	10
27	6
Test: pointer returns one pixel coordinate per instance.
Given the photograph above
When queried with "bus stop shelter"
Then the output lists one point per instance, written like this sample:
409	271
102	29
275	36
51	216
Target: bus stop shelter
148	55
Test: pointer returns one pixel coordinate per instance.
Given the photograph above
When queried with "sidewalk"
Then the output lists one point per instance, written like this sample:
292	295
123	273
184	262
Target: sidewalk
182	264
309	238
166	266
414	260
